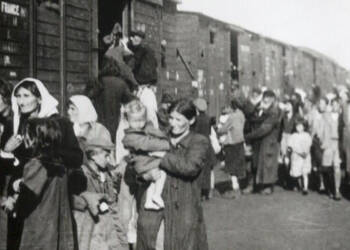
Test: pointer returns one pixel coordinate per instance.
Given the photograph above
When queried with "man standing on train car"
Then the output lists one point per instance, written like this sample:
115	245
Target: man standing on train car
144	65
267	135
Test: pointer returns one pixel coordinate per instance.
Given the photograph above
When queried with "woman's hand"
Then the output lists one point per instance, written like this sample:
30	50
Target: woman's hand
17	185
14	142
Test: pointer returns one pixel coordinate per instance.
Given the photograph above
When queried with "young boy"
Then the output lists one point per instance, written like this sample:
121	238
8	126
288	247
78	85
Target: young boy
144	143
96	212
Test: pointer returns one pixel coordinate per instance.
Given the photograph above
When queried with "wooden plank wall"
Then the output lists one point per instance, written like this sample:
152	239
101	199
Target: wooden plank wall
14	40
78	46
48	49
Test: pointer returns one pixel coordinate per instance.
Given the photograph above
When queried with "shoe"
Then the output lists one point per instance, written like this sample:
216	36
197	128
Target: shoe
229	195
247	190
267	191
305	192
337	196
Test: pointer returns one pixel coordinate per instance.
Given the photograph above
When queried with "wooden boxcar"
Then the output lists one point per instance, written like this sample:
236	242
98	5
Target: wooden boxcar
60	44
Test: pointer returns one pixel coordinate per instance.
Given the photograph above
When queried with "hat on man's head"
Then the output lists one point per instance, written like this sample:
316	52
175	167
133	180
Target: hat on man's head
103	142
200	104
139	33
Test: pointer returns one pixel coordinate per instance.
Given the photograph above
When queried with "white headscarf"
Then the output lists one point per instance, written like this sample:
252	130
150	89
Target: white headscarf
87	111
48	105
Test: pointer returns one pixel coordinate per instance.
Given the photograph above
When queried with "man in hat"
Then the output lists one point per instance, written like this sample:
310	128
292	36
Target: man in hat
145	63
266	137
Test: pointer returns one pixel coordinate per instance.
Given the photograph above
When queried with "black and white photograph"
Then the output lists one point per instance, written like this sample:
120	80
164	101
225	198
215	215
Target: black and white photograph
174	125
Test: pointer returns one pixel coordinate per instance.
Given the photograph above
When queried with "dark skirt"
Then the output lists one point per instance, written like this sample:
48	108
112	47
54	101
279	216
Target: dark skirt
235	160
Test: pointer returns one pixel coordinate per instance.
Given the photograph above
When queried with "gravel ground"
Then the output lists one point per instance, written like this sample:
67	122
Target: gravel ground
284	220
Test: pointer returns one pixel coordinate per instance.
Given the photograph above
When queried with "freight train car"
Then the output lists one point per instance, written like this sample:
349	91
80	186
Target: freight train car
50	40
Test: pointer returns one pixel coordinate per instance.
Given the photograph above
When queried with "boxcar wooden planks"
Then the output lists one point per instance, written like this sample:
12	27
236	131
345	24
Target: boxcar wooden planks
14	39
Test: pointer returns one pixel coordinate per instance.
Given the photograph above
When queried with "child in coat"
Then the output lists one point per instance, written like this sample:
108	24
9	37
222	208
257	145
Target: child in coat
145	142
95	209
299	145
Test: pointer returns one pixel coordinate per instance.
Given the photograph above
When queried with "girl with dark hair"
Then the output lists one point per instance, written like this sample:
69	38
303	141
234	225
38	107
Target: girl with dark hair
183	213
43	200
299	146
31	99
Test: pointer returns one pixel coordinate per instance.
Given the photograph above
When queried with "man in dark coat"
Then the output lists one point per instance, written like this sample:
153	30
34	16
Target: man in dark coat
144	63
203	127
267	135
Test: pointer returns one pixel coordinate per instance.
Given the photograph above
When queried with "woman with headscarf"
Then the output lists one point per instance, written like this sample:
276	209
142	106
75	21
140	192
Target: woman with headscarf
82	114
31	99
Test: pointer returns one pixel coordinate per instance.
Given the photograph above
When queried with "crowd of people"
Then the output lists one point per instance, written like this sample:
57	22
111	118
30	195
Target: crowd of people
118	171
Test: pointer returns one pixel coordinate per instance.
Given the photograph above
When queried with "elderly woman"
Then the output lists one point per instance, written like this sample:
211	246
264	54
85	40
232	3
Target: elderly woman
31	99
183	214
82	114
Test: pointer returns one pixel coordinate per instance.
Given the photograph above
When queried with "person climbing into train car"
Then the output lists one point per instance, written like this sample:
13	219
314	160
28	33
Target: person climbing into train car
267	134
144	66
119	51
203	127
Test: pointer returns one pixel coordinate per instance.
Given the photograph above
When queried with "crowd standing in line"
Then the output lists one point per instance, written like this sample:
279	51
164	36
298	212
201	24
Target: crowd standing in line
121	173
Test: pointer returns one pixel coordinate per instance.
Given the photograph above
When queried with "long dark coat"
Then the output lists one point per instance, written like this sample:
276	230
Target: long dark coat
108	102
345	121
267	136
44	205
203	127
184	221
71	155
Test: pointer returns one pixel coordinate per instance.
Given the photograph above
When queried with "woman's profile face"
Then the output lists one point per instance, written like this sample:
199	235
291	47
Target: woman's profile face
73	113
27	102
179	124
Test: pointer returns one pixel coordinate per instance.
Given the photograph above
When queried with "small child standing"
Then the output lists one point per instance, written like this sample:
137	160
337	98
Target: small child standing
299	144
145	142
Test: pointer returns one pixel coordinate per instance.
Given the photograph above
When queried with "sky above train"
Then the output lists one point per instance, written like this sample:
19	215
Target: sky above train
322	25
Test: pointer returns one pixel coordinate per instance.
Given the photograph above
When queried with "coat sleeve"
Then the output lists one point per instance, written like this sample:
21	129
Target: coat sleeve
265	128
190	163
34	180
145	143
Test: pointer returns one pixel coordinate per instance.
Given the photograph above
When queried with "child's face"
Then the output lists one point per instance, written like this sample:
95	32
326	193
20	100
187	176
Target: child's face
101	159
137	121
300	127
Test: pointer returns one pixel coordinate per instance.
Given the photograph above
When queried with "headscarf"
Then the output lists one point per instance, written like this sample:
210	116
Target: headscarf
87	112
48	104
